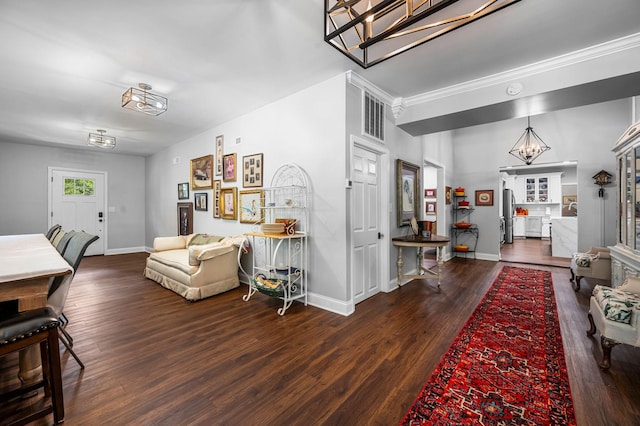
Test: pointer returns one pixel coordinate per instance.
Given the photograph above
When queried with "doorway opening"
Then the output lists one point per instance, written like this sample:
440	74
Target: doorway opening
531	199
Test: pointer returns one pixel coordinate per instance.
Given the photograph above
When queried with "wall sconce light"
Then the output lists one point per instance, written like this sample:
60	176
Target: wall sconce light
602	178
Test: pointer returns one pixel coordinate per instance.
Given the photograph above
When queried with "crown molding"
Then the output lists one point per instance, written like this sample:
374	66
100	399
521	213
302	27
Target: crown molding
362	83
593	52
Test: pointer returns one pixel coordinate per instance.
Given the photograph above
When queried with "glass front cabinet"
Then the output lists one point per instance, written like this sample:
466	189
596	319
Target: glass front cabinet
625	255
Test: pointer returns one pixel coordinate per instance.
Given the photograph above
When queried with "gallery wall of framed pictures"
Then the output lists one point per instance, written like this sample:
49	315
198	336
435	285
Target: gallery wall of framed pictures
219	172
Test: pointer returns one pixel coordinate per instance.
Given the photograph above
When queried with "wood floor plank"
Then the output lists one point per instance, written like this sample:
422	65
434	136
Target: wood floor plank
155	359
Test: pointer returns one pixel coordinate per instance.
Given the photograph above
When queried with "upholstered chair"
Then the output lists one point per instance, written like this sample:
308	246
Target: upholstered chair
595	263
616	313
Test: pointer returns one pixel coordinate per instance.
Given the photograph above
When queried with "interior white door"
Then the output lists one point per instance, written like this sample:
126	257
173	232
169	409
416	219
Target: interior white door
365	204
77	203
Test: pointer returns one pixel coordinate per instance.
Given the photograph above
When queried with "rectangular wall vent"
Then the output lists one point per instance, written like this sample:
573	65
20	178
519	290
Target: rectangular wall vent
373	116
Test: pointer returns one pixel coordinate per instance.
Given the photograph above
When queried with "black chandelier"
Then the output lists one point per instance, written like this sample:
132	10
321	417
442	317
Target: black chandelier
371	31
529	146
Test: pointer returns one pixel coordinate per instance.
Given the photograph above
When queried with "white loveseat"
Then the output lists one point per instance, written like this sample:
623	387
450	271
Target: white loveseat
195	266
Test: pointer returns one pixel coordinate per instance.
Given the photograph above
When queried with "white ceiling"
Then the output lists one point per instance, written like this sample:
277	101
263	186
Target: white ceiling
65	64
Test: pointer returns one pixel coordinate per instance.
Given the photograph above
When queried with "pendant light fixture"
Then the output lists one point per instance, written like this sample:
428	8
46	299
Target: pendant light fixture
529	146
101	140
142	100
371	31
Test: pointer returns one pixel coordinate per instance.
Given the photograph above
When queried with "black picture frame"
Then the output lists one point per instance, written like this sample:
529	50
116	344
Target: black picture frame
183	191
407	184
201	201
185	218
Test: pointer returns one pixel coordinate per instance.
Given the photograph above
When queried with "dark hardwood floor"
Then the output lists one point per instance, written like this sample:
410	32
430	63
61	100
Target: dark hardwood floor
535	251
154	359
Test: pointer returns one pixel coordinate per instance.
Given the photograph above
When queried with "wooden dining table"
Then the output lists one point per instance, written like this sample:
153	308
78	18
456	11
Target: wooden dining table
27	263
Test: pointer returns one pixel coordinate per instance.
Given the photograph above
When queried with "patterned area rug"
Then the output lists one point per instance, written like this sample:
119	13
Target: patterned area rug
507	365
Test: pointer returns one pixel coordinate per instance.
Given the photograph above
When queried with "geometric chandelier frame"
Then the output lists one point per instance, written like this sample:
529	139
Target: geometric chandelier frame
142	100
371	31
529	146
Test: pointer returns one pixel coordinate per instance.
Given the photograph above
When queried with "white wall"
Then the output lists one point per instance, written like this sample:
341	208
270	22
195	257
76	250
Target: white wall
307	129
23	173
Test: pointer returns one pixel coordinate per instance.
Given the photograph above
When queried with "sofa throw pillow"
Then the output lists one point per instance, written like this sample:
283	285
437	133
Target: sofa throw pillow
200	239
585	259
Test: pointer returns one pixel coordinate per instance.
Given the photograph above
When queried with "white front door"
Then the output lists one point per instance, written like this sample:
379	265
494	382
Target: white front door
77	200
365	205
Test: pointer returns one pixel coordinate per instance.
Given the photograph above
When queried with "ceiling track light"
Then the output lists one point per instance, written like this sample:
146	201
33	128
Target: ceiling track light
371	31
101	140
529	146
142	100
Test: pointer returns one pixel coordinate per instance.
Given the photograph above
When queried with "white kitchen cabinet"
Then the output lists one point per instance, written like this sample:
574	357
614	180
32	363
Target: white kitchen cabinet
519	227
539	189
518	189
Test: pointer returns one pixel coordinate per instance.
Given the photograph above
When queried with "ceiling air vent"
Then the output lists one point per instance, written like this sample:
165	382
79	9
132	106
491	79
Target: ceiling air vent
373	116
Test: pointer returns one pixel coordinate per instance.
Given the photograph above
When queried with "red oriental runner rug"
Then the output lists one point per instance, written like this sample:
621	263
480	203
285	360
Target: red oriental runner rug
507	365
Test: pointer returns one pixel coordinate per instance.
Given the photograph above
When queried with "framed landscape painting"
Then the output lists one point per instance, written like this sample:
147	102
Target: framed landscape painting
202	172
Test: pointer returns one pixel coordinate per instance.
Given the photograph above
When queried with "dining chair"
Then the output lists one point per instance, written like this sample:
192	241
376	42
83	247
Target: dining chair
59	288
52	230
24	329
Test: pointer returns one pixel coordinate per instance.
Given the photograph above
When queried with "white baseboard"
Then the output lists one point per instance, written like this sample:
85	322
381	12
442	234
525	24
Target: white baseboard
125	250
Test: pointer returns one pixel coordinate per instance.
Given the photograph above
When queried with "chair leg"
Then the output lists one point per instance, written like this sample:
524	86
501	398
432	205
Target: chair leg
57	398
66	345
606	344
64	334
592	330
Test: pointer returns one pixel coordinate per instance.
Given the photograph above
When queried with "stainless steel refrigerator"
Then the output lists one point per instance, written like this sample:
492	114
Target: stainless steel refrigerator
508	210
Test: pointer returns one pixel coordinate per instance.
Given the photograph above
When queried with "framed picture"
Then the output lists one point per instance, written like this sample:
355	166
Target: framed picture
430	208
185	218
217	184
484	197
448	195
183	191
202	172
200	199
250	205
219	141
252	170
229	168
228	203
407	184
430	193
568	199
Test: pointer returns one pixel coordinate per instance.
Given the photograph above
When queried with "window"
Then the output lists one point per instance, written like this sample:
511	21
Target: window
373	116
82	187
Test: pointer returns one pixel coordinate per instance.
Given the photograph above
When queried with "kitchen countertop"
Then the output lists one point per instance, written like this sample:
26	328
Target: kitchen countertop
564	236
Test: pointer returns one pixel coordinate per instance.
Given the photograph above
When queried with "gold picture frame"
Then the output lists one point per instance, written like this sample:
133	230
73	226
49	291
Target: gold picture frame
252	170
217	184
229	203
407	184
251	206
202	172
229	168
219	143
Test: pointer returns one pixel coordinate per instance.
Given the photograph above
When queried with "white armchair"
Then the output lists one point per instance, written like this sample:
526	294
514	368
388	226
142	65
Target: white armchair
616	313
595	263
